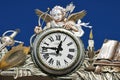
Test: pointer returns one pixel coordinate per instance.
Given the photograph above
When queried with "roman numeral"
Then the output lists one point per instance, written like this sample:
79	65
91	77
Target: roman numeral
70	56
58	63
46	56
51	61
69	43
58	37
65	61
44	49
51	39
65	38
71	50
46	43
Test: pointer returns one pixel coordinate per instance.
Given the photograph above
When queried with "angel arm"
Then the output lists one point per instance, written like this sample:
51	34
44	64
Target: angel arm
44	15
70	25
47	26
76	16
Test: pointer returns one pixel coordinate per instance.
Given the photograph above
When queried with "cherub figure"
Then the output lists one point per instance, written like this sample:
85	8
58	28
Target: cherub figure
60	17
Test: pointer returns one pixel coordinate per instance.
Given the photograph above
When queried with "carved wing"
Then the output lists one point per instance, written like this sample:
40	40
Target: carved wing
76	16
46	17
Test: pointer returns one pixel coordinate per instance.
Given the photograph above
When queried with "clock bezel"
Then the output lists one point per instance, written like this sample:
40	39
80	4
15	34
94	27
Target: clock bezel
38	61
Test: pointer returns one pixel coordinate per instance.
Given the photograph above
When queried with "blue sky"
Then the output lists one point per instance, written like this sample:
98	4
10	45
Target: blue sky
103	15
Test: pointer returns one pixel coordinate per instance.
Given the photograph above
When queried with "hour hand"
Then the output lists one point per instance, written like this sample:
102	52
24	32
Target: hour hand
60	46
53	48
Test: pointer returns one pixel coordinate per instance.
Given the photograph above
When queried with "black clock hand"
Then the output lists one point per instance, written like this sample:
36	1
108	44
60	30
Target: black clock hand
52	53
53	48
59	48
57	52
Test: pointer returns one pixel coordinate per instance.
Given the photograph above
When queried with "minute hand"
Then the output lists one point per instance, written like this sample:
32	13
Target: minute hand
53	48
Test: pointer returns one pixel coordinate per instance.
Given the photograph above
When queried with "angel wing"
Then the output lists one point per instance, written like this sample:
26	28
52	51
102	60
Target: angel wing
45	16
77	16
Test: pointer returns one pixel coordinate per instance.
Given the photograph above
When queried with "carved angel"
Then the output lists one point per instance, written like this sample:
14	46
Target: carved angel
59	17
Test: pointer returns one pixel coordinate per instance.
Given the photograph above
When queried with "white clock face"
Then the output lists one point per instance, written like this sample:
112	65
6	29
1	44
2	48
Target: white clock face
57	51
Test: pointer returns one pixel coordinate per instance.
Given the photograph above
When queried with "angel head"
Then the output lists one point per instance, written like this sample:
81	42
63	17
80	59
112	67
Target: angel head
58	13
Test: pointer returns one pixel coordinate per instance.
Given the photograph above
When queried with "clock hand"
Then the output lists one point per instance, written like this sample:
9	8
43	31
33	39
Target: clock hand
52	53
59	48
53	48
57	52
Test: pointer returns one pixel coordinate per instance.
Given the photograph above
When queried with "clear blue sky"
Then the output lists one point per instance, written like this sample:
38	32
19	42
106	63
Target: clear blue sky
103	15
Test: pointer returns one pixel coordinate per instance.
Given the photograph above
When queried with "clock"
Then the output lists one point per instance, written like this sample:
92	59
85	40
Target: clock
57	51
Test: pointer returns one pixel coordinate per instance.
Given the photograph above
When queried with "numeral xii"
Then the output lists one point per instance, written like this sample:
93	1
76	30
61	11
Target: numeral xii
58	37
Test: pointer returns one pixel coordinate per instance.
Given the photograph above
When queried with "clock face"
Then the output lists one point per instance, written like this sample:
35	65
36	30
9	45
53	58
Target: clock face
58	50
